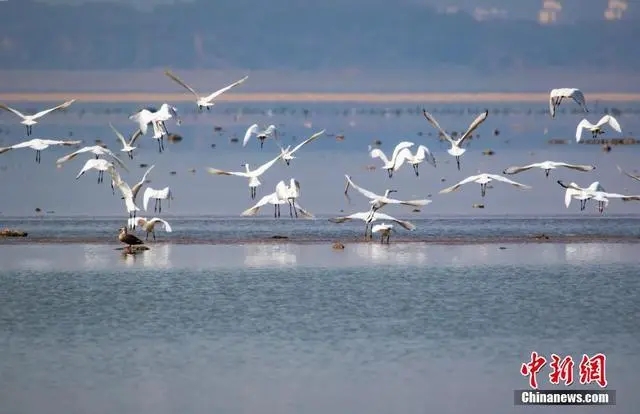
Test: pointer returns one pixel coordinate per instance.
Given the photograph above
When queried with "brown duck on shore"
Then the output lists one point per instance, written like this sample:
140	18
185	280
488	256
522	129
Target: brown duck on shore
128	239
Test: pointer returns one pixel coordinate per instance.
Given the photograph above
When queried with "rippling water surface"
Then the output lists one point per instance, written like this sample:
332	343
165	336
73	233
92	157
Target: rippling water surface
307	329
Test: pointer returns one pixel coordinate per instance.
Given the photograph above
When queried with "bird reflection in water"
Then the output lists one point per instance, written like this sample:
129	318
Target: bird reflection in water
391	254
157	256
269	255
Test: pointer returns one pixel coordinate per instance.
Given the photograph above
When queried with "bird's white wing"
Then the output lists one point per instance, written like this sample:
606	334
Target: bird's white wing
143	118
578	96
459	184
402	145
354	216
252	211
135	137
635	177
264	167
400	158
611	121
10	109
46	111
405	224
436	125
118	160
181	82
60	142
508	181
569	194
221	172
282	190
136	188
302	211
369	194
571	185
223	90
475	124
516	169
428	155
306	141
118	134
581	125
167	226
413	203
251	130
579	167
148	193
377	153
74	154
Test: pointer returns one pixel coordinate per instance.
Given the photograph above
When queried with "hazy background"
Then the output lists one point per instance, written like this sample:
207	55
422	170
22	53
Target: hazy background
372	45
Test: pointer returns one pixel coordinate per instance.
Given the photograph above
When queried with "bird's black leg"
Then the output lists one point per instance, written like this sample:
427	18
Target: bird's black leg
415	168
153	232
261	143
458	162
295	211
390	172
546	173
159	205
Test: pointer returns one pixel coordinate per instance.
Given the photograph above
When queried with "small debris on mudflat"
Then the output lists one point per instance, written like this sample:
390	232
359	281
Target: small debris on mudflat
12	233
192	170
606	148
135	249
174	138
38	210
443	179
416	210
478	206
279	237
502	248
337	246
234	140
488	152
556	141
217	128
173	172
339	137
144	165
541	236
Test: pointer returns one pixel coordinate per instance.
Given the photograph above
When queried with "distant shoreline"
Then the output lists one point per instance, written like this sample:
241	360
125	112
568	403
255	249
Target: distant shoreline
437	97
35	240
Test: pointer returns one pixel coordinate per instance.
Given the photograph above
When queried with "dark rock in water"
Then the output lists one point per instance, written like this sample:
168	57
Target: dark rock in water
279	237
478	206
488	152
51	212
337	246
416	210
12	233
234	140
173	172
502	248
174	138
217	128
38	210
144	165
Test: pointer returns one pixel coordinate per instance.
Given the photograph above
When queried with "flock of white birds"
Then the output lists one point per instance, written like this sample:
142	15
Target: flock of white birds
104	160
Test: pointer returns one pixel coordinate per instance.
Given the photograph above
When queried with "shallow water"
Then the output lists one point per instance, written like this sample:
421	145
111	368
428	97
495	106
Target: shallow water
304	328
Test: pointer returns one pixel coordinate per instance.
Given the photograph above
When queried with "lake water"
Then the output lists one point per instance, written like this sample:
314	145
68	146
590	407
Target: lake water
306	329
250	325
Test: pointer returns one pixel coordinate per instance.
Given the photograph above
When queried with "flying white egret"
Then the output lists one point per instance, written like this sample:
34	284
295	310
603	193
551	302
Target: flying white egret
30	120
127	196
483	180
557	95
149	226
260	134
369	217
38	145
290	193
96	150
598	194
158	195
421	155
456	149
547	166
287	153
101	165
635	177
277	202
127	146
582	194
379	201
203	101
393	164
157	119
597	128
254	182
384	230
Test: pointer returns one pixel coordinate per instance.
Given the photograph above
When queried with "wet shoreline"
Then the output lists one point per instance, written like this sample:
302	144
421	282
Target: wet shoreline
275	240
